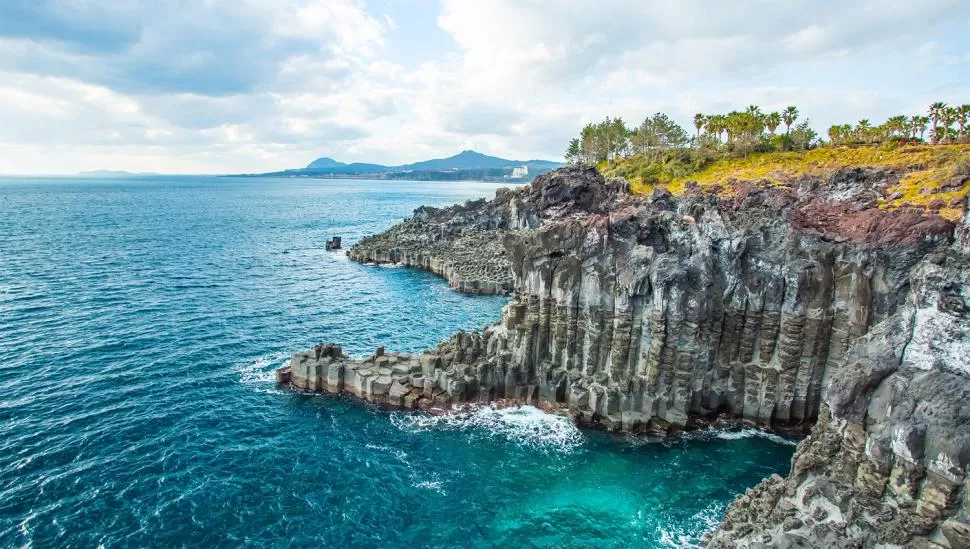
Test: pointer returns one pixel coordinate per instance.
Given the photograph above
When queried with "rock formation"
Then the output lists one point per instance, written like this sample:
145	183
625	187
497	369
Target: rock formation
779	305
886	463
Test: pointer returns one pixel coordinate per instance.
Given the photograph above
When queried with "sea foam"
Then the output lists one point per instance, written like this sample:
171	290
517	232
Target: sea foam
260	373
738	434
523	425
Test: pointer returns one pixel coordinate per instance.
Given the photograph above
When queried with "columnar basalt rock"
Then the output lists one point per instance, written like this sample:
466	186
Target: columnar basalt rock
780	306
463	243
643	314
886	463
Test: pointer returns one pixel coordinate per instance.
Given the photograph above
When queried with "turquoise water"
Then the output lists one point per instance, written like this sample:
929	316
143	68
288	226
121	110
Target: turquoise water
141	320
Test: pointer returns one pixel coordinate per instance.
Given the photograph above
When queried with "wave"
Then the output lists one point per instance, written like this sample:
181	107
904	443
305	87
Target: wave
738	434
523	425
690	533
260	373
434	485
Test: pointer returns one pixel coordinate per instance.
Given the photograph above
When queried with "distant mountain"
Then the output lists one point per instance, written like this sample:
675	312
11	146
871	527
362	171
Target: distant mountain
112	173
465	160
466	164
324	162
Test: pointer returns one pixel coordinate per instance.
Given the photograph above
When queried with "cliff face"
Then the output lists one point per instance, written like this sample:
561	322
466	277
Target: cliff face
659	311
781	305
641	314
463	243
886	464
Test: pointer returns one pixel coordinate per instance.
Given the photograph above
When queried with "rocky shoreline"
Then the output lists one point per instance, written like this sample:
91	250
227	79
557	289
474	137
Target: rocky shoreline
462	244
789	307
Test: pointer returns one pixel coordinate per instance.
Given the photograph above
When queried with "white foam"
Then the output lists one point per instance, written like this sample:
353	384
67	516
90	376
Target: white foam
433	485
746	432
399	454
525	425
702	522
260	373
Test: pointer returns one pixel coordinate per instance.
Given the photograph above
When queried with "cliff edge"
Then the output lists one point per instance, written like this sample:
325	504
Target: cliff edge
785	305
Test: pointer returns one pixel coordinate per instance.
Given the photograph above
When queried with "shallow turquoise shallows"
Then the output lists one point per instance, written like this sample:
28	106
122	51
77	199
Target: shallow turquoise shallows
141	320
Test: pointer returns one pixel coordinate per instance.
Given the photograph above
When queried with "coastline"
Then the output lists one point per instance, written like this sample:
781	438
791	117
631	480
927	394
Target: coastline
799	305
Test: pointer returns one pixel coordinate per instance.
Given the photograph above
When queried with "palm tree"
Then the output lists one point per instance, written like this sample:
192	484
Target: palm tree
711	127
733	125
752	121
835	134
772	121
789	115
897	125
720	125
863	130
699	121
936	113
949	116
919	125
963	113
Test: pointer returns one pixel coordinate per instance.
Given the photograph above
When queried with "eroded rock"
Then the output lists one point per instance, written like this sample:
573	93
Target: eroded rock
786	306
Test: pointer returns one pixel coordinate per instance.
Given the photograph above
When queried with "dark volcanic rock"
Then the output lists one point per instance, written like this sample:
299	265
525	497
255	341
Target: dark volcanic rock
463	243
783	306
886	464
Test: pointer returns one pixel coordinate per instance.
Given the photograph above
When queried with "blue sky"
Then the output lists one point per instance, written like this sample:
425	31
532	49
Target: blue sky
219	86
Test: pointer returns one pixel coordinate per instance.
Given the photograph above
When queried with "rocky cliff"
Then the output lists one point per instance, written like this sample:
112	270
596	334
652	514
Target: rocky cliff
777	304
886	463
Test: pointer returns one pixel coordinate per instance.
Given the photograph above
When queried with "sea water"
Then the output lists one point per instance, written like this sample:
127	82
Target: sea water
141	320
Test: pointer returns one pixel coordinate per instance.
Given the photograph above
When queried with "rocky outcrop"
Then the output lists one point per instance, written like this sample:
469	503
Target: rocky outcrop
463	243
645	314
785	306
886	464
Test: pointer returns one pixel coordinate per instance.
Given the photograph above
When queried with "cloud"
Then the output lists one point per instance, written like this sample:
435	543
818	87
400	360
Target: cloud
259	85
621	57
213	47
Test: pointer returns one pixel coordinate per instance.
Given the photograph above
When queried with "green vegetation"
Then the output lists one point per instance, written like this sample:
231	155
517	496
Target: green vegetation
904	129
777	147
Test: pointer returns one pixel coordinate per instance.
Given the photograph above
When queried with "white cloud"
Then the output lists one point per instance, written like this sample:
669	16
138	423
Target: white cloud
227	86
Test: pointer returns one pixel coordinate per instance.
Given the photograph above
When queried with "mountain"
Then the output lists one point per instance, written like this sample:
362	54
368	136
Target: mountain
112	173
464	160
324	162
337	168
466	164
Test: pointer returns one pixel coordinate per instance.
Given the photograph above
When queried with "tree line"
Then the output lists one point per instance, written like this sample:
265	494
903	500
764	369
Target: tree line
738	131
946	124
752	130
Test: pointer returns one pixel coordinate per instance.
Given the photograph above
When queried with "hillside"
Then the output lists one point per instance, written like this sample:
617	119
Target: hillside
325	162
467	164
467	160
932	178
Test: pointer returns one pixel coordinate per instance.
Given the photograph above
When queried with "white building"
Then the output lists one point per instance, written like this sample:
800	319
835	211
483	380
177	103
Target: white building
521	171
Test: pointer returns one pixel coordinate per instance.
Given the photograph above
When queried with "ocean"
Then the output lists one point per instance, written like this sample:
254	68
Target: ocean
141	319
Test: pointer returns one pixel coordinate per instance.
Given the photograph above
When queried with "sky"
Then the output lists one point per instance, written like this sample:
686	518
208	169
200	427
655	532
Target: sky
230	86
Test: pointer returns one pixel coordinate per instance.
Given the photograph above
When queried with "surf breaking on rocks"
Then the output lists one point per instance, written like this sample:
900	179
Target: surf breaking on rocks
524	425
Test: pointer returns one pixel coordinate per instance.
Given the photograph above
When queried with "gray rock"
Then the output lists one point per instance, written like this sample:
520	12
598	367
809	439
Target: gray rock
795	306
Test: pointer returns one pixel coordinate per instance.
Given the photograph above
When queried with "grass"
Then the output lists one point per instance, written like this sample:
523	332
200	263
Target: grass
924	168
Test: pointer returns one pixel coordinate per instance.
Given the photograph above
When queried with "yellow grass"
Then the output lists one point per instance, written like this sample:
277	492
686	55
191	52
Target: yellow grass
925	167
